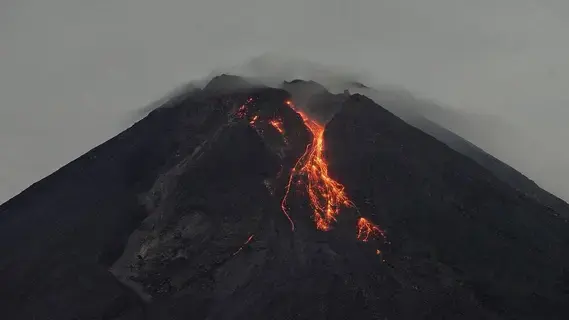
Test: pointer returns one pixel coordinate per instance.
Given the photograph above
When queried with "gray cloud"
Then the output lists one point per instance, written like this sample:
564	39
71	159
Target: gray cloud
70	70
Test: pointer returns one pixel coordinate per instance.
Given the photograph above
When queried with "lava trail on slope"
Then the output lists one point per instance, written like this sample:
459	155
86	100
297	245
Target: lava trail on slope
309	174
189	200
326	195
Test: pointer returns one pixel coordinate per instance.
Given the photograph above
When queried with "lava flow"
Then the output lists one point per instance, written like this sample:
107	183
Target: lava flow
326	195
254	119
244	244
367	231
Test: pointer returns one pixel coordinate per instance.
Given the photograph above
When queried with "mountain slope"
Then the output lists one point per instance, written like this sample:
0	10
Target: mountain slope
501	170
442	123
206	209
507	247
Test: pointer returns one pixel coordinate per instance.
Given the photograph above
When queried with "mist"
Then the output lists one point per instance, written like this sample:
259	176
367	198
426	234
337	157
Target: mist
72	72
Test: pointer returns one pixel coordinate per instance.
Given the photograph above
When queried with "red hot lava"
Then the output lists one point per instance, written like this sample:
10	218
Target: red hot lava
368	230
244	244
326	195
277	124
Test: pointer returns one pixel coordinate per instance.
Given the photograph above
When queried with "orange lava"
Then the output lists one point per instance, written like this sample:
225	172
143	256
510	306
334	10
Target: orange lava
254	119
242	111
244	244
293	173
326	195
367	230
277	124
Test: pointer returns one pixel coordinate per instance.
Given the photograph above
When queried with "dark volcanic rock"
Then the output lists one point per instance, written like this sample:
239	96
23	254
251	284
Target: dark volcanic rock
226	84
180	217
302	90
507	248
198	221
501	170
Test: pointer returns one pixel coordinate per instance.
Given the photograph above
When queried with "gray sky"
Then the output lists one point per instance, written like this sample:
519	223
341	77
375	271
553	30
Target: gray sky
72	70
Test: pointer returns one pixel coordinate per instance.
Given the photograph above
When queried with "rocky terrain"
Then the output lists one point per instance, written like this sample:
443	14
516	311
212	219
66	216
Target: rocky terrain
245	202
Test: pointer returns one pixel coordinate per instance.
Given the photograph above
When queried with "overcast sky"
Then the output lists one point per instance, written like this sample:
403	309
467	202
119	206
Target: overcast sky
72	70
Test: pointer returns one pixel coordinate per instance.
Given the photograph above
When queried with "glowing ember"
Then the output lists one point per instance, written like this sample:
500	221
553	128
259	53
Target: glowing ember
242	111
326	195
244	244
293	173
254	119
277	124
368	230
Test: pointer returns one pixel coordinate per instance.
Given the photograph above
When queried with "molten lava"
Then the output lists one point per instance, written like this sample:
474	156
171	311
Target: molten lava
277	124
243	109
368	230
244	244
326	195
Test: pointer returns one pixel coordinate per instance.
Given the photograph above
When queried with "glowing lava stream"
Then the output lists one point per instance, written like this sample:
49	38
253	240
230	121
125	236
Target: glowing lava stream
326	195
367	231
244	244
277	124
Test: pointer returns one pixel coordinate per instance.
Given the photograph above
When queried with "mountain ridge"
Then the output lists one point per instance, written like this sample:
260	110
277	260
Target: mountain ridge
182	215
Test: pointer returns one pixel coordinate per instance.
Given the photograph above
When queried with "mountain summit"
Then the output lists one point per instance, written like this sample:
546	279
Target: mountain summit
238	201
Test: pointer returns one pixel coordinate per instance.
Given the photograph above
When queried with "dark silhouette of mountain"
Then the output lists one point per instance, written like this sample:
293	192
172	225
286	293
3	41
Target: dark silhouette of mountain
437	120
182	216
501	170
427	193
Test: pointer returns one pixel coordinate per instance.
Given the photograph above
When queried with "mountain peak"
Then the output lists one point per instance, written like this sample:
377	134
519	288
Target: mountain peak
248	202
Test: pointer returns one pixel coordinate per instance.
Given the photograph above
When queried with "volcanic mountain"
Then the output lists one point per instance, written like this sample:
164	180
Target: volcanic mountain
238	201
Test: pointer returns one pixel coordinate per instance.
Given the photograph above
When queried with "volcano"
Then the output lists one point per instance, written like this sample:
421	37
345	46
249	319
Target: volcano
239	201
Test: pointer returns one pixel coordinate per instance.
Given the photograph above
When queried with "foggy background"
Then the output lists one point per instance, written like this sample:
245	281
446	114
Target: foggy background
73	71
